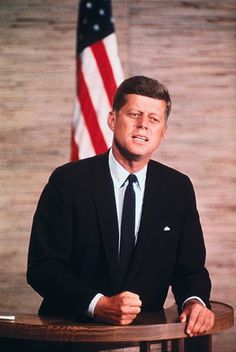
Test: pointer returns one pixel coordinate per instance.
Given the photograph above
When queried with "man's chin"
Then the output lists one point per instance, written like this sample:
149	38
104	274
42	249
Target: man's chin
136	156
133	153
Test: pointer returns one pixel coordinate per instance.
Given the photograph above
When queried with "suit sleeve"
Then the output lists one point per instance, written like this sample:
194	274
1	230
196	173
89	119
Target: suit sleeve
49	271
191	277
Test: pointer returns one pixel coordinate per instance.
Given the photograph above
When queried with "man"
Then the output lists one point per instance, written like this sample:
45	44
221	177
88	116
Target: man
77	242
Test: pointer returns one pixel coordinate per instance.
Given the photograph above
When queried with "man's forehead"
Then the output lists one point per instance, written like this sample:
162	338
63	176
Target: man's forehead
142	101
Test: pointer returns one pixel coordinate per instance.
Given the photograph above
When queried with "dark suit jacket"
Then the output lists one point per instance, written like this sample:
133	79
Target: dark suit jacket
73	251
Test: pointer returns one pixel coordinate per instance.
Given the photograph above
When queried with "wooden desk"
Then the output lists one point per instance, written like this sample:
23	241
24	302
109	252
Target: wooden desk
69	335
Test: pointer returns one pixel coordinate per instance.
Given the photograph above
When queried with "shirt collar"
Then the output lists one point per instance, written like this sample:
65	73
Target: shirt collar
119	174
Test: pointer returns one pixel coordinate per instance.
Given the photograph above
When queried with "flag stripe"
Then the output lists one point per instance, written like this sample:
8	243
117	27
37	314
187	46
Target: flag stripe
81	134
86	148
89	113
74	147
110	44
105	69
97	92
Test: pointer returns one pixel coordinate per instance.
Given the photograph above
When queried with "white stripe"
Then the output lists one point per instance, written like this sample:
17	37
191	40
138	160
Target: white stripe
97	92
110	43
82	137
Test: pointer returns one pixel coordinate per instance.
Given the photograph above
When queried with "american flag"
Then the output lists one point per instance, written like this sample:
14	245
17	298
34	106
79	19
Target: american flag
98	73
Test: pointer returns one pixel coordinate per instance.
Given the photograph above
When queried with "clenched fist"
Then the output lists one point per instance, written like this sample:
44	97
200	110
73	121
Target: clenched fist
120	309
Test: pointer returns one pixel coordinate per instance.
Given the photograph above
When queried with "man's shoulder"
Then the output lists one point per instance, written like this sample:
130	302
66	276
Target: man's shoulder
165	170
170	180
80	168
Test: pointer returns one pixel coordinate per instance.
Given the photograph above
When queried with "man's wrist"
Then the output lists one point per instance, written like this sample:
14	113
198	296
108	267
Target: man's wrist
92	305
192	299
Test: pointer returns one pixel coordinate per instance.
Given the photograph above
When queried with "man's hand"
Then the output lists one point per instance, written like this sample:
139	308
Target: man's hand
120	309
199	318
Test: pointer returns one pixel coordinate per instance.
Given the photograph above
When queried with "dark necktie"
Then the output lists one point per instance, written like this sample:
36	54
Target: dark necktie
127	240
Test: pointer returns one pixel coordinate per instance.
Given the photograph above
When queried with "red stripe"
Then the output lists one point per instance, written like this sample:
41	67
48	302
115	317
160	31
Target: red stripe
105	69
89	113
74	147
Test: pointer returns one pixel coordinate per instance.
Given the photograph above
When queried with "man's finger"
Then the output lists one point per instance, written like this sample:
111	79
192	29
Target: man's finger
129	298
199	325
183	318
192	317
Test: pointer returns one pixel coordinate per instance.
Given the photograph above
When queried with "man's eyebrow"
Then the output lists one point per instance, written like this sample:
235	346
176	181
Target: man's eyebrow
155	113
131	110
141	111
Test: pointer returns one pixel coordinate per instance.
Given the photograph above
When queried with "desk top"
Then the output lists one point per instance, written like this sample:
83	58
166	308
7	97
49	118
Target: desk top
161	325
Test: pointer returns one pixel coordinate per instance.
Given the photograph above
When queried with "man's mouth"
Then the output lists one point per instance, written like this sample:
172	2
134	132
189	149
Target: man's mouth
140	138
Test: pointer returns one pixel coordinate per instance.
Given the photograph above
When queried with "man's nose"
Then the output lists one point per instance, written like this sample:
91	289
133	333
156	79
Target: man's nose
142	121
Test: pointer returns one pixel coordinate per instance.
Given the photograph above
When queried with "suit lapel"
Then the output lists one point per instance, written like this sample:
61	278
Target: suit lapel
152	204
103	192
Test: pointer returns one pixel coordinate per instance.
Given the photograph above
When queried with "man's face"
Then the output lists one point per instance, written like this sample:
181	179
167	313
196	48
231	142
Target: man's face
138	127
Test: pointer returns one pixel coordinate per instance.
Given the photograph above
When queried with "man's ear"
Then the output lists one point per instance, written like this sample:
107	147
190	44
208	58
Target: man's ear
164	132
111	120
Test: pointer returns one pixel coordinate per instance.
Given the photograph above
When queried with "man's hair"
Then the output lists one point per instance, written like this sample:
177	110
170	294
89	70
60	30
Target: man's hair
141	85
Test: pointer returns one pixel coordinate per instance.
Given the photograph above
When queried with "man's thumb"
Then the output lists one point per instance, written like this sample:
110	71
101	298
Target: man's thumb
183	318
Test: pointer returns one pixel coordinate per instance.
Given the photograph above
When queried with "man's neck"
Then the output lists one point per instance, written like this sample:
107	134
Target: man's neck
132	165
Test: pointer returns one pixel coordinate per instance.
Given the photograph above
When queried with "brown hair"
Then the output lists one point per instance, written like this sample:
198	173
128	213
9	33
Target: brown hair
141	85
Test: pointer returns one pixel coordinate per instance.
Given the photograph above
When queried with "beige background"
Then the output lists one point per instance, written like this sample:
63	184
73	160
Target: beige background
189	46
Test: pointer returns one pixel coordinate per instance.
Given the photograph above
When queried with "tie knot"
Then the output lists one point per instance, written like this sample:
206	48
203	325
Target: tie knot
132	178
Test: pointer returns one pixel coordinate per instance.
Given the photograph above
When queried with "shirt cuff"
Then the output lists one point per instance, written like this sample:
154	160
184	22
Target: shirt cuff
194	297
92	305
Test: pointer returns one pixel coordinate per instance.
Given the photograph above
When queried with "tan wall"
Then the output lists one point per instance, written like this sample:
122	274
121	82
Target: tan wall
190	46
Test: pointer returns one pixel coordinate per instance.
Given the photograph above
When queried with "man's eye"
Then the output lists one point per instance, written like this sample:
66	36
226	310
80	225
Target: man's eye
154	119
134	115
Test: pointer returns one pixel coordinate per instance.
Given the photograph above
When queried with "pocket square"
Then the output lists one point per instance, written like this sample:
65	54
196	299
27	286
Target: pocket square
166	228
